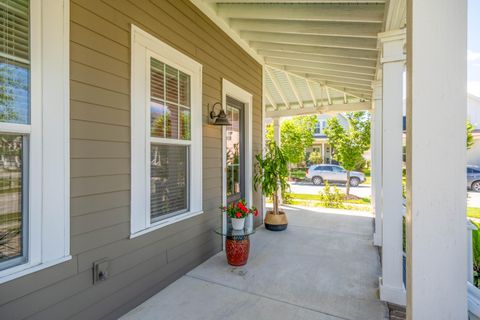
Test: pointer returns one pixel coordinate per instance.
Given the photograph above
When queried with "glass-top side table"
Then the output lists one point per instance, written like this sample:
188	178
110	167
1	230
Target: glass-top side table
237	245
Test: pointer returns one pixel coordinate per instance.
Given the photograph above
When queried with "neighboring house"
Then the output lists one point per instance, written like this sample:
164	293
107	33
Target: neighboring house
473	114
320	144
108	156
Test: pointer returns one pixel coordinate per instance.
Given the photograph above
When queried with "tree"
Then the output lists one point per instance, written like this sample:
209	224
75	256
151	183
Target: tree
315	157
296	135
351	143
470	141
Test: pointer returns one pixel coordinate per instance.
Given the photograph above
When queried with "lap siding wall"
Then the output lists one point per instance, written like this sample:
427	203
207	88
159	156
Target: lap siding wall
100	163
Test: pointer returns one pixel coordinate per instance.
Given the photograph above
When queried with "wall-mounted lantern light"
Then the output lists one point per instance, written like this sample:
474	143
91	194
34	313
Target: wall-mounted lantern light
220	118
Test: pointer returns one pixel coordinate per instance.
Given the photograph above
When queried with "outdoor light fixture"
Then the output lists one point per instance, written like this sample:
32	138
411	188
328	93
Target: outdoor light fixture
220	118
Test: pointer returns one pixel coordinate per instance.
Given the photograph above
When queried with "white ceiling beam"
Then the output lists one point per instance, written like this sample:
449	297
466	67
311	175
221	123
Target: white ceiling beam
328	73
297	1
293	86
360	94
312	93
328	95
341	29
363	13
343	84
277	87
335	52
270	99
310	40
320	66
342	107
295	56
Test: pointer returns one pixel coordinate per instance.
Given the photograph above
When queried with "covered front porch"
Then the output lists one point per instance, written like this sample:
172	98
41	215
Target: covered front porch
324	266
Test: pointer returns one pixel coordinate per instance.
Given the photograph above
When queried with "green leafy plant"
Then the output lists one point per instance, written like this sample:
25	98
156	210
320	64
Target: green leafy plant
331	199
271	173
470	141
315	158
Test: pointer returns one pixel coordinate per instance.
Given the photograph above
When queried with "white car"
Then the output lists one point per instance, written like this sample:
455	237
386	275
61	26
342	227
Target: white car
333	173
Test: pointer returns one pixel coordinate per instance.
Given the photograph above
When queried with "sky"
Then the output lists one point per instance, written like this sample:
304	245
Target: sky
474	47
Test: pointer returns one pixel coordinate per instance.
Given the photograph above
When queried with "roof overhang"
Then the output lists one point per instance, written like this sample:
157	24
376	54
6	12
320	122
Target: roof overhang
318	55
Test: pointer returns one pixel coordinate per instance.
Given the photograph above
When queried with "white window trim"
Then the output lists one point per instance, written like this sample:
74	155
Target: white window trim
232	90
145	46
48	214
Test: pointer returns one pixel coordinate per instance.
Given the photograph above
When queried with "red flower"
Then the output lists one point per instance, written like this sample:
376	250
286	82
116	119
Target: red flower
255	212
239	215
242	207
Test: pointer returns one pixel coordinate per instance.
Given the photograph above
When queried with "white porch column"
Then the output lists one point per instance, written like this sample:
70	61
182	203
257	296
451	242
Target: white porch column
436	203
276	131
392	288
376	161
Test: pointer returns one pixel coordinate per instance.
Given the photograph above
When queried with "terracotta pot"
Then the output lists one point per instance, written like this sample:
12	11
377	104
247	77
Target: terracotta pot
276	222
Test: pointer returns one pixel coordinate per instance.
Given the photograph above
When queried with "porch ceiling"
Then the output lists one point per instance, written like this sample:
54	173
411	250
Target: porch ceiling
318	53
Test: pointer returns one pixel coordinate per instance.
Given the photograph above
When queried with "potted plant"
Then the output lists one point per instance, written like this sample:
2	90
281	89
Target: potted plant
271	175
238	211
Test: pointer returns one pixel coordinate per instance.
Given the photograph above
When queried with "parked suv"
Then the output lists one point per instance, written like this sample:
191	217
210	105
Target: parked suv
333	173
473	178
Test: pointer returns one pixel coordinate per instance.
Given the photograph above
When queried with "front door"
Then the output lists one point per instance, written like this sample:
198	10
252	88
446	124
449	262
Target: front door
235	151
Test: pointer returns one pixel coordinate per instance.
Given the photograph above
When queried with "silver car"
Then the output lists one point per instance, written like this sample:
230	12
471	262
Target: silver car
333	173
473	178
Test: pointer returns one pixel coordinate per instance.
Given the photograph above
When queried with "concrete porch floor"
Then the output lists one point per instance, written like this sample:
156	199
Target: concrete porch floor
322	267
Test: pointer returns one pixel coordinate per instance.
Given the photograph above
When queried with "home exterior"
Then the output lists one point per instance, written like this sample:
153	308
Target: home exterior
113	169
320	143
93	69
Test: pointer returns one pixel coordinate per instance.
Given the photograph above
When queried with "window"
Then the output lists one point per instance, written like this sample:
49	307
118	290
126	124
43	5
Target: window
318	127
337	169
166	148
34	151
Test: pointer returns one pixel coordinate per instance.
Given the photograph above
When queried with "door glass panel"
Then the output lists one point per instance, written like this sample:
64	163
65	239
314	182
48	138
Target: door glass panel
235	152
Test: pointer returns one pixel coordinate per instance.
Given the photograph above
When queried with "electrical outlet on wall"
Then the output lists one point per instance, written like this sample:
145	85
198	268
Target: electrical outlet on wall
100	270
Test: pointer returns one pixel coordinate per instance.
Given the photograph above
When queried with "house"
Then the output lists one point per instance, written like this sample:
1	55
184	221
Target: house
126	124
320	143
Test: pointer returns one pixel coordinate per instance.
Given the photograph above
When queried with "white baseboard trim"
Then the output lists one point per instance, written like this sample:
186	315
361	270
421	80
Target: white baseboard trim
394	295
377	239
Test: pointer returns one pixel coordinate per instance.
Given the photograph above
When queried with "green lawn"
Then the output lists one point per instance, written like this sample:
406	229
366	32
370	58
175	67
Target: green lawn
473	212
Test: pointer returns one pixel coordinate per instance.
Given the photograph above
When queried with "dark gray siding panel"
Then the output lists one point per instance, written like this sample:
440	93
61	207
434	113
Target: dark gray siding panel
100	163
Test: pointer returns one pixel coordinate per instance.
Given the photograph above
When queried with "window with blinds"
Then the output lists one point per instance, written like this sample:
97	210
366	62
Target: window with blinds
14	109
166	135
169	140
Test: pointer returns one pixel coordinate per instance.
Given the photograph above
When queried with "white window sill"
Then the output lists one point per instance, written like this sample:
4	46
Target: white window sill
25	269
163	223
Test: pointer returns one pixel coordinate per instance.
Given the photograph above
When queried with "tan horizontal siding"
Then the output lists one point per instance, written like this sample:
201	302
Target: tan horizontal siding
100	163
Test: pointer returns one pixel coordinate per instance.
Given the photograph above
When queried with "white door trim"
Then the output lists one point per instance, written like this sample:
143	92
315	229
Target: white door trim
234	91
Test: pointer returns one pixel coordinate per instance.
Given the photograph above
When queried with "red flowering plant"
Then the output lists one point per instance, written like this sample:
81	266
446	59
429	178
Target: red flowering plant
239	209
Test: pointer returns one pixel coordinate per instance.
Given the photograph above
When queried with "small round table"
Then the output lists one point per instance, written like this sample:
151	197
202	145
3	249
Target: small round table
237	245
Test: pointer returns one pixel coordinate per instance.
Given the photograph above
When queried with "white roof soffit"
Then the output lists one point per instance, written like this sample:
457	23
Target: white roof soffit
319	54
